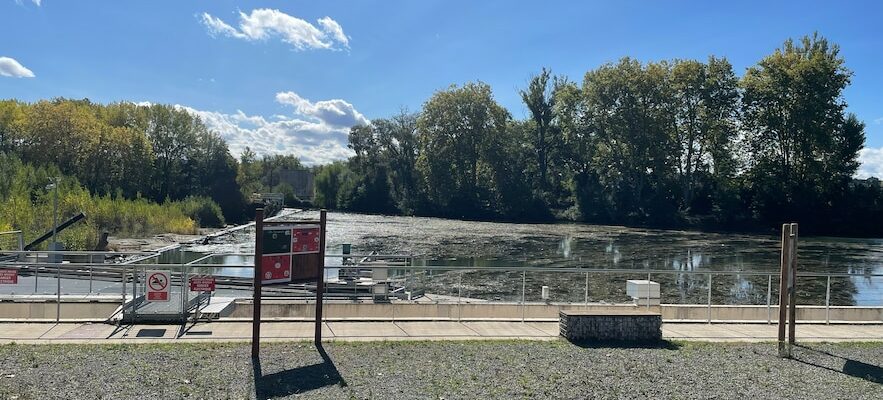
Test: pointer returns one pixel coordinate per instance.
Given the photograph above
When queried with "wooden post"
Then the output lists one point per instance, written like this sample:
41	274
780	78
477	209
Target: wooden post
256	311
783	286
320	280
792	289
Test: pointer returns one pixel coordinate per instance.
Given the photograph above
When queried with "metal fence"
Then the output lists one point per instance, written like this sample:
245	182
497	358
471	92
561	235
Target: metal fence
123	276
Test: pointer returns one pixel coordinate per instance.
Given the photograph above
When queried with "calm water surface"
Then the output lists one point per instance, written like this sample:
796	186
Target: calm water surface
435	241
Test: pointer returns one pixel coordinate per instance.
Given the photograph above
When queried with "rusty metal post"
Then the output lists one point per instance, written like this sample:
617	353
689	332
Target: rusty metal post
320	280
256	311
792	292
783	286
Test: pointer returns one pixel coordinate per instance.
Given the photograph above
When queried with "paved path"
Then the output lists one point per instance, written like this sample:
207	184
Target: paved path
404	330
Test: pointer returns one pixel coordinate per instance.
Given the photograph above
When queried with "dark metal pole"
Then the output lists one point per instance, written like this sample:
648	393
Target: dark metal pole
792	293
258	253
53	255
320	281
783	286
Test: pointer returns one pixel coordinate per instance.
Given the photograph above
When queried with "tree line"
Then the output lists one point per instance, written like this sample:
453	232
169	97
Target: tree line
157	152
678	143
669	143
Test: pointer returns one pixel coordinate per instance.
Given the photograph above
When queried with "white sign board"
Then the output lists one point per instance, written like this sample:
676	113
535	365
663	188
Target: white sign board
158	284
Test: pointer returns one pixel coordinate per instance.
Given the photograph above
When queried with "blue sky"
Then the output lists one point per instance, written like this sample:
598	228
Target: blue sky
289	76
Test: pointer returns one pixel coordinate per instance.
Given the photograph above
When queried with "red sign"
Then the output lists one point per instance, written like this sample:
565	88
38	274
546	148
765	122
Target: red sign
202	284
8	276
157	285
276	268
305	239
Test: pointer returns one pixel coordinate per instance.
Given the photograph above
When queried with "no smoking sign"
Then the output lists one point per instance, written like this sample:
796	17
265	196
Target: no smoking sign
158	285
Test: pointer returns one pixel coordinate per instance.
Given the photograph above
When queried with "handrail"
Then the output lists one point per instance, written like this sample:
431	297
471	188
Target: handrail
81	252
511	268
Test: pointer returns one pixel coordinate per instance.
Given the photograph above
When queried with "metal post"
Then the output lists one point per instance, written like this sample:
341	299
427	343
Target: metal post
828	301
784	276
36	278
459	293
769	299
134	291
709	298
183	282
587	288
792	293
523	287
256	310
55	248
648	291
123	288
320	283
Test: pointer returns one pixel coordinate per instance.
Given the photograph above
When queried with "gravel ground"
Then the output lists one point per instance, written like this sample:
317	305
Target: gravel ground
450	370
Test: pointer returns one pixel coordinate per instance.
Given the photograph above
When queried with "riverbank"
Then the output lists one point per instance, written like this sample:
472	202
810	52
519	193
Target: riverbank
450	370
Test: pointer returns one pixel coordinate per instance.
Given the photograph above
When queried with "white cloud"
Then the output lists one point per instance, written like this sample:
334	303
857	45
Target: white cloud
37	2
336	112
316	134
263	23
11	68
334	29
871	160
217	27
878	121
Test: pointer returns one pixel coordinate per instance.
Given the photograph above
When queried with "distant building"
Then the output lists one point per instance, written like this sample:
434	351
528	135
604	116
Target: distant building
301	181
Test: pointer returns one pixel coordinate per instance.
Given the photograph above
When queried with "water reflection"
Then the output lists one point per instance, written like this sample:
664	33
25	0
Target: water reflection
434	241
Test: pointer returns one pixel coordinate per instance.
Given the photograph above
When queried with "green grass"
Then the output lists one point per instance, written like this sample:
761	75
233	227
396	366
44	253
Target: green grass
26	204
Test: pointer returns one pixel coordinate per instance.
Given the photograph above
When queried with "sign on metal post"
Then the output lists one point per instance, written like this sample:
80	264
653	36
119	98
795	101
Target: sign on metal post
290	252
305	239
276	255
276	268
8	277
285	252
202	284
158	285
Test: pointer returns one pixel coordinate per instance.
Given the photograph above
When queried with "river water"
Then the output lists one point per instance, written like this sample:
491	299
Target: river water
436	241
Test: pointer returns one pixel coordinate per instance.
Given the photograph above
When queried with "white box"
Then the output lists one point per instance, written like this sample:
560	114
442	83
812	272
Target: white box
642	289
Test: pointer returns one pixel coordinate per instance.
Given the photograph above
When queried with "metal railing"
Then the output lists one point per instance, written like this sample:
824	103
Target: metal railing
454	283
19	240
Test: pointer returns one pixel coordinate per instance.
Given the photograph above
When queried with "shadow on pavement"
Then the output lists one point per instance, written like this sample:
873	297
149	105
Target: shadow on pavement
854	368
297	380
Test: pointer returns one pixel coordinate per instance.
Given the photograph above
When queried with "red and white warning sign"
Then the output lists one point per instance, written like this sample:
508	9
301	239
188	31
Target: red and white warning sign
305	239
202	284
8	276
158	285
276	268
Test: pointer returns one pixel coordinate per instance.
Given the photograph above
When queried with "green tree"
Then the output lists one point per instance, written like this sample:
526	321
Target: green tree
329	179
539	99
458	134
627	110
249	174
803	145
705	104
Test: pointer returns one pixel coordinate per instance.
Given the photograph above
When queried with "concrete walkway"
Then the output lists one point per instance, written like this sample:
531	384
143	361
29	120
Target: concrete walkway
402	330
